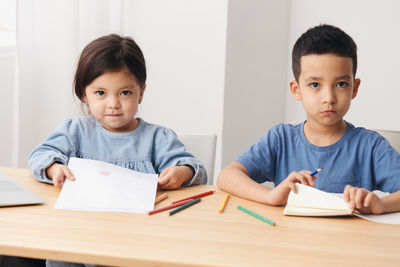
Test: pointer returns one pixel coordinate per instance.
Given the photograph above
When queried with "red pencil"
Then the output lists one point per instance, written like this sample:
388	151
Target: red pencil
169	207
195	196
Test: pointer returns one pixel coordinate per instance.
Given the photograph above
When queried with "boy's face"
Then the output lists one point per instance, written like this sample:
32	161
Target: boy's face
326	87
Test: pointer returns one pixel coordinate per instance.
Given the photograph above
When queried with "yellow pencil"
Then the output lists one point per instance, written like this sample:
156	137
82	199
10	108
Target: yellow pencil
221	209
161	198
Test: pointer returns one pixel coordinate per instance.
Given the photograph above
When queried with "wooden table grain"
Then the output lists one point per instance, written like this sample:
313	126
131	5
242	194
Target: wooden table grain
196	236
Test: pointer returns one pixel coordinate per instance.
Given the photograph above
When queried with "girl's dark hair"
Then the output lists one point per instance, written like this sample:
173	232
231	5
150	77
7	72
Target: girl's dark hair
108	53
323	39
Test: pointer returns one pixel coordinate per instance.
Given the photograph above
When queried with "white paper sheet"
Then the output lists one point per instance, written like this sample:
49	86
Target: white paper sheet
388	218
100	186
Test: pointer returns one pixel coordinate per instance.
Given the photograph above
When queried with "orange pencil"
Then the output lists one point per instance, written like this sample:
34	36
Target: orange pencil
161	198
221	209
169	207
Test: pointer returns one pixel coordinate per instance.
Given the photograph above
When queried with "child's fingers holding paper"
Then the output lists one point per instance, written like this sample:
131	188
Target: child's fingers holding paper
165	178
349	194
360	197
68	174
58	181
346	193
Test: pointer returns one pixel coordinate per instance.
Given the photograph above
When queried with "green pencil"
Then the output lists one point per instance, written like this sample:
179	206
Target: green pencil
256	215
194	201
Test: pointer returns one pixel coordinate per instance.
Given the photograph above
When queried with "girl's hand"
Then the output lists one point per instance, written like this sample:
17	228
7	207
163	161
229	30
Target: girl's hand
363	200
279	194
58	172
173	177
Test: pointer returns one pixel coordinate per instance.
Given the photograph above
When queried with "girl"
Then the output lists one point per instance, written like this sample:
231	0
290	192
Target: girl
110	82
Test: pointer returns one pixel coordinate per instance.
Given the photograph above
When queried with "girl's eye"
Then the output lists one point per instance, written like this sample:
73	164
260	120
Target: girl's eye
126	92
100	93
314	85
341	84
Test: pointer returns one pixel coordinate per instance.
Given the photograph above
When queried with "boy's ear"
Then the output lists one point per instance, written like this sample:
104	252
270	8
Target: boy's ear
295	90
355	89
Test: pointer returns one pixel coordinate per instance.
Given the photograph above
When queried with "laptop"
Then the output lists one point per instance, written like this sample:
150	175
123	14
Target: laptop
12	194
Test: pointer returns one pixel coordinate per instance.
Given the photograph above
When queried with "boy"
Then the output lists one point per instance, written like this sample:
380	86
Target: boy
355	161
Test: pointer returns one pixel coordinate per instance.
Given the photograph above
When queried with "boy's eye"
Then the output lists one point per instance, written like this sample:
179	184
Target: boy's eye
100	93
314	85
126	92
341	84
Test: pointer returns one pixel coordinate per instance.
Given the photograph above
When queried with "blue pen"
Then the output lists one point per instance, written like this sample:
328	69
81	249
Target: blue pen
317	171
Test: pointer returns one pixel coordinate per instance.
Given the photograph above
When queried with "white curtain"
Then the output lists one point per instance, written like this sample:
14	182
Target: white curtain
50	36
184	46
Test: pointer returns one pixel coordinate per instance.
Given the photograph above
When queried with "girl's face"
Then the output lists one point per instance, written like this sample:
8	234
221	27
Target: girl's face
113	99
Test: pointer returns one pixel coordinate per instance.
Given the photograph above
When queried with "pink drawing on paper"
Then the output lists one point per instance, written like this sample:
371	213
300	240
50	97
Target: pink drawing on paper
104	172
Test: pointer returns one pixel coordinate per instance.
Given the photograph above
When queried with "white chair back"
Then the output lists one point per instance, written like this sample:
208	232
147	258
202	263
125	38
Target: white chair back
203	147
392	136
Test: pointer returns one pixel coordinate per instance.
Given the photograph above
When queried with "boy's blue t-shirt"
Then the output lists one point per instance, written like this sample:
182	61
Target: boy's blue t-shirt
361	158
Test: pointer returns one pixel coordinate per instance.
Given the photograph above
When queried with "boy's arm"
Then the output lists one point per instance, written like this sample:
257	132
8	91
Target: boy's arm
235	179
391	203
367	202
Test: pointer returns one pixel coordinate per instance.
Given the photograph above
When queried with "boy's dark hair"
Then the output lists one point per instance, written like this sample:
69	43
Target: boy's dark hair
323	39
108	53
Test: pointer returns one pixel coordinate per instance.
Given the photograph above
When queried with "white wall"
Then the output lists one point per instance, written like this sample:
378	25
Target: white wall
256	72
374	26
219	67
7	111
183	42
47	52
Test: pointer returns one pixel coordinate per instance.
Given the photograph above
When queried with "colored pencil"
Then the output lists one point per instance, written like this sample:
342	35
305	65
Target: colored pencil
317	171
169	207
161	198
256	215
195	196
221	209
194	201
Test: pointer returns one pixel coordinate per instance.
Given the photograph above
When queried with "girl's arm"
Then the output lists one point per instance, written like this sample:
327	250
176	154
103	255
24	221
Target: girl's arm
57	147
170	152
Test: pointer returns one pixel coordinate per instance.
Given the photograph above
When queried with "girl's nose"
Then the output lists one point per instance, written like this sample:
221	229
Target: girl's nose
114	102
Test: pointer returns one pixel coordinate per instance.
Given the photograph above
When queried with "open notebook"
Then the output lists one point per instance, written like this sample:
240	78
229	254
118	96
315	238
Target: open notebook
310	201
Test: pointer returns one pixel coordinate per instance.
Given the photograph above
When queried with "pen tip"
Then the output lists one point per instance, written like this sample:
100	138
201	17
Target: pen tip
320	169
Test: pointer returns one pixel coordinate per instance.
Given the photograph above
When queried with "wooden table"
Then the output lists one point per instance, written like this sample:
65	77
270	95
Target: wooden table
197	236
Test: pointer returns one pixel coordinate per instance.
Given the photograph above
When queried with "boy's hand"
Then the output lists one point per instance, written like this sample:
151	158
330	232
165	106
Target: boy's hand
363	200
58	172
173	177
279	194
